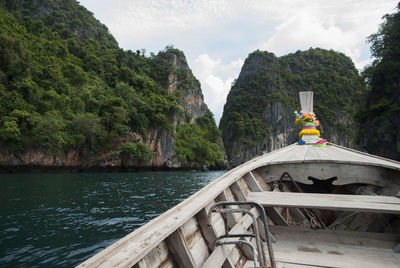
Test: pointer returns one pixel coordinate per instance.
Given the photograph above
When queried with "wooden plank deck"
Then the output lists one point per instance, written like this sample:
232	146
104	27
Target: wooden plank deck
297	247
363	203
331	153
131	249
379	161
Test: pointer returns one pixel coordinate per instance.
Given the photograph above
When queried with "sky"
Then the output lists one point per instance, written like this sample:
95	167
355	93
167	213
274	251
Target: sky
218	35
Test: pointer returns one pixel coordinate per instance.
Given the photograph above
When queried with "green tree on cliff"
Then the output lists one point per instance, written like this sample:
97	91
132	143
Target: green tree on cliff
65	83
380	119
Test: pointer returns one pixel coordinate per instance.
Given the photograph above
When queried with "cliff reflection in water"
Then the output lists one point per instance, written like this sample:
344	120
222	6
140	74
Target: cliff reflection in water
60	220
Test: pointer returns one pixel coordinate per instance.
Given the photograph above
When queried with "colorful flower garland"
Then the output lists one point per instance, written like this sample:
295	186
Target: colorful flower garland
309	122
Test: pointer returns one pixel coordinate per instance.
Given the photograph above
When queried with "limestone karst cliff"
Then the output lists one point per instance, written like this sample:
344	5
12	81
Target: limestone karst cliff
380	116
258	115
72	98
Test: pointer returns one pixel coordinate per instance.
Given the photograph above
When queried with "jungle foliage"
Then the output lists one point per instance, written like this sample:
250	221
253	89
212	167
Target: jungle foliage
138	152
267	79
198	144
65	83
380	116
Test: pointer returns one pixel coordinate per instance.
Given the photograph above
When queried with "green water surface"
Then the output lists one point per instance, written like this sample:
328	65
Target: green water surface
60	220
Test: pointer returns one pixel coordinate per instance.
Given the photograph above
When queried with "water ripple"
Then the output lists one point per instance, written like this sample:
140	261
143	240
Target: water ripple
60	220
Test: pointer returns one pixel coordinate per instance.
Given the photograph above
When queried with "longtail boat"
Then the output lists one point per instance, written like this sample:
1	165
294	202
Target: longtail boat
299	206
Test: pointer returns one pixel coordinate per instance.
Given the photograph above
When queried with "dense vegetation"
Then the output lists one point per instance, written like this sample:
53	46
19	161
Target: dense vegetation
199	144
380	118
266	80
65	83
138	152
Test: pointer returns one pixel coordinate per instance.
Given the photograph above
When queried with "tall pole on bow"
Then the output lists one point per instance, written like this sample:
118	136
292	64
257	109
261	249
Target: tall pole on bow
306	101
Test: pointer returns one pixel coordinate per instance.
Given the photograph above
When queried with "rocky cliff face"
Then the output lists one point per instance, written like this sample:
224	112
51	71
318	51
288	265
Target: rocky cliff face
72	97
160	140
380	117
258	116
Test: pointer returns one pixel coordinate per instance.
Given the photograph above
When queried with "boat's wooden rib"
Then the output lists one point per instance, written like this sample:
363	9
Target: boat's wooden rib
208	230
231	218
212	229
272	212
195	241
374	204
159	256
260	180
252	183
239	191
180	249
220	253
140	264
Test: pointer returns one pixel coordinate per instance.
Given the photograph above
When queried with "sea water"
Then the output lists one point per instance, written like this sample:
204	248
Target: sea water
60	220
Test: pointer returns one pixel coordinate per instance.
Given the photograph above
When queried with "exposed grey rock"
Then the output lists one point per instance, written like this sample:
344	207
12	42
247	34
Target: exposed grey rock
258	116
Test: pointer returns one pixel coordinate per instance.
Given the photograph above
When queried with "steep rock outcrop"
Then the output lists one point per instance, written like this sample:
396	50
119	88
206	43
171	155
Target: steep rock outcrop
72	98
160	140
258	116
184	81
380	117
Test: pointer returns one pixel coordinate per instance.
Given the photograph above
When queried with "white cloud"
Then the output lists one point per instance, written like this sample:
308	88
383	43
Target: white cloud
157	18
216	35
342	26
304	31
216	79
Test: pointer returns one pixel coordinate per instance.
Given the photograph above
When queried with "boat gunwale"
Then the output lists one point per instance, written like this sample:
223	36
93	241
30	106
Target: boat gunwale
124	243
371	155
367	162
130	249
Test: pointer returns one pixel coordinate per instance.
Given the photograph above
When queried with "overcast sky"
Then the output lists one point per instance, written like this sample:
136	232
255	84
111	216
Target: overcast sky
217	35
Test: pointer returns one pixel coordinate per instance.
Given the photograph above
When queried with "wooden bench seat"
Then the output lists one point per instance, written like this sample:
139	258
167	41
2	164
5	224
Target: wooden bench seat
363	203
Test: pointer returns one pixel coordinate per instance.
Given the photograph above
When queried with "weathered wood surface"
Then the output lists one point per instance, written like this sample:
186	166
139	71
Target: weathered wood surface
363	203
220	253
328	248
347	165
250	264
345	173
379	161
133	247
272	212
180	249
349	238
159	255
331	153
231	218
